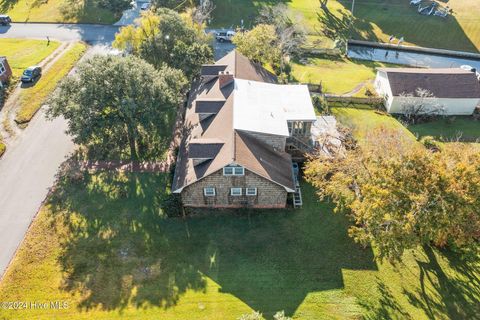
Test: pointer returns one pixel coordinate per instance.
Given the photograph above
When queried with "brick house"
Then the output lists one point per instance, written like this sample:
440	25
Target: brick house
241	129
5	71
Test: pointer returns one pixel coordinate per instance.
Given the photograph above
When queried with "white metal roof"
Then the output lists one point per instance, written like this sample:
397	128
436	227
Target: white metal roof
266	107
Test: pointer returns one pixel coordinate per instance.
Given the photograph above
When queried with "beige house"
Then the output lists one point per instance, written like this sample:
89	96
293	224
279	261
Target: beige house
457	91
240	128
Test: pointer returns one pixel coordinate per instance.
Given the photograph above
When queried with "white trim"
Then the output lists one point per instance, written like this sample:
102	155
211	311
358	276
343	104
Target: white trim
236	189
247	193
209	194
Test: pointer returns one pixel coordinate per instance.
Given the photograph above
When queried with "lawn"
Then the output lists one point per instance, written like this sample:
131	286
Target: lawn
452	128
57	11
362	119
33	97
24	53
337	75
103	246
375	20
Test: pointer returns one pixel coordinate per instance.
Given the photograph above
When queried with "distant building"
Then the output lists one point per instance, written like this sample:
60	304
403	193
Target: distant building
456	90
5	70
242	129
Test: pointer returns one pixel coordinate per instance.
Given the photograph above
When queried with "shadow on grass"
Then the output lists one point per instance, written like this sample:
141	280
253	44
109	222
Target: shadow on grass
451	297
341	25
119	239
229	13
6	5
401	19
451	128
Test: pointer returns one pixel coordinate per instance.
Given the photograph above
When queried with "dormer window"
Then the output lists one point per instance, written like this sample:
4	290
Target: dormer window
233	171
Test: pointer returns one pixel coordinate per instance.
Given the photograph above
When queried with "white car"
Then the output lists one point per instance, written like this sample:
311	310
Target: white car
223	36
145	6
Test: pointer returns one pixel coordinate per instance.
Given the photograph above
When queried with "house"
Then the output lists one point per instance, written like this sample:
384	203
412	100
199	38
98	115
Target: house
241	128
457	91
5	71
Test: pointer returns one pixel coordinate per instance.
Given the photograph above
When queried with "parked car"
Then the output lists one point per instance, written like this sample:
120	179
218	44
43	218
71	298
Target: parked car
145	6
223	36
5	20
31	74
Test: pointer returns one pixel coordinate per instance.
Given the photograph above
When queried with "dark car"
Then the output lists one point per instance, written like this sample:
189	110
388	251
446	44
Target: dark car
31	73
5	20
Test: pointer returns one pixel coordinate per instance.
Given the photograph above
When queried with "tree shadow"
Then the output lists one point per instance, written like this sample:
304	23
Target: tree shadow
229	13
401	19
387	307
452	296
117	238
6	5
341	25
450	128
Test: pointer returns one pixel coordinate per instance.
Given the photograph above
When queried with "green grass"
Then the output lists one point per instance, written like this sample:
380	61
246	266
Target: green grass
57	11
452	128
337	75
375	20
363	120
33	97
24	53
103	245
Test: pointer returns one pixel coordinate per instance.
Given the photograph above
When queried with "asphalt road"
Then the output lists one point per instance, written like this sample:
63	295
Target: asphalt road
90	33
27	171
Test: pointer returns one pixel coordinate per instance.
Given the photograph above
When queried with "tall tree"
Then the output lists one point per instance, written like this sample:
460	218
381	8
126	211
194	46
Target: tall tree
400	195
166	38
259	44
119	106
291	34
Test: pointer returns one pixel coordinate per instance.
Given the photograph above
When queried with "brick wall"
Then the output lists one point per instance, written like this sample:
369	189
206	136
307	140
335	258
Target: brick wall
269	194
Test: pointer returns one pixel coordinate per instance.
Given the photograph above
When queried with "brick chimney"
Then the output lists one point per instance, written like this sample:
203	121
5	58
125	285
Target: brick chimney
224	78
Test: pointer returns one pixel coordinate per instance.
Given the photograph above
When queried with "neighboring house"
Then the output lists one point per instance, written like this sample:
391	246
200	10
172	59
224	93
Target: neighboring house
456	90
239	125
5	71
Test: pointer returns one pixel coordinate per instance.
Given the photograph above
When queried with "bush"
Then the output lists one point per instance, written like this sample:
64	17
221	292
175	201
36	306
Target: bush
321	104
430	143
171	205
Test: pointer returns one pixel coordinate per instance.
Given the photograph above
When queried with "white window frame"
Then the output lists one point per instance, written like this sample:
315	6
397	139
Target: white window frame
209	194
234	194
235	171
2	69
249	193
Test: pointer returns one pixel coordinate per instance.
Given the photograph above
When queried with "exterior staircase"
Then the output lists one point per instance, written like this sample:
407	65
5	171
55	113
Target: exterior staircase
300	144
297	196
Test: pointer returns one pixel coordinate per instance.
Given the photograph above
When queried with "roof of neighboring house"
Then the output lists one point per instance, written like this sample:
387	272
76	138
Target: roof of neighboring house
242	68
442	83
266	107
215	139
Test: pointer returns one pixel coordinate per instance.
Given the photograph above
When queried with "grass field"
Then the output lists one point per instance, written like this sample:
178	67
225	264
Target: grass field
337	75
363	120
375	20
103	246
453	128
33	97
56	11
24	53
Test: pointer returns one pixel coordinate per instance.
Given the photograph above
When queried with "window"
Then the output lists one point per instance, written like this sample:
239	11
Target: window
235	191
251	191
233	171
209	192
2	69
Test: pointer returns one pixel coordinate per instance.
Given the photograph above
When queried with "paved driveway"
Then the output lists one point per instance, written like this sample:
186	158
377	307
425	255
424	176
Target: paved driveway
27	171
91	33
